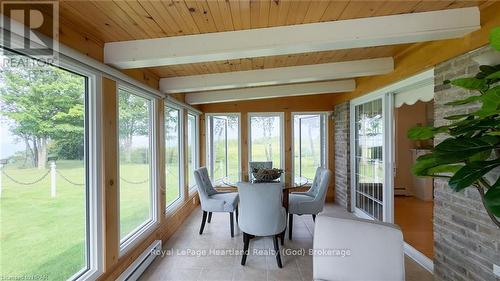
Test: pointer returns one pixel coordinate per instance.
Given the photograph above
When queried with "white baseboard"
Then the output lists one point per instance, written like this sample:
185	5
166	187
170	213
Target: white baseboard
419	258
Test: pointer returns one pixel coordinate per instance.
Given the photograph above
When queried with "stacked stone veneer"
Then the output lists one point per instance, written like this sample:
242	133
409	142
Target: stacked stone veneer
342	156
466	242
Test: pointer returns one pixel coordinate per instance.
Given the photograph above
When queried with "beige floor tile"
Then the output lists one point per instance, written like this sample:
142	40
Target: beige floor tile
249	274
258	267
216	274
289	272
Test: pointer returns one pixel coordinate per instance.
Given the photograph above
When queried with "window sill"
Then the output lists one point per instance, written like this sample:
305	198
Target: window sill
132	241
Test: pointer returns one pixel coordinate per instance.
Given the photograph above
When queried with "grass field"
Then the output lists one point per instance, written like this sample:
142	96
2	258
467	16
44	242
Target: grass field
45	236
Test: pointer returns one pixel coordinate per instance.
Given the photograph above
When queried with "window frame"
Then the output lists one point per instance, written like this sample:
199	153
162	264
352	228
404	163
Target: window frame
192	189
281	116
324	115
209	141
132	239
93	193
173	206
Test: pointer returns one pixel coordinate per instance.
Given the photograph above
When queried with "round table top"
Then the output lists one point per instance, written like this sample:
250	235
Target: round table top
298	181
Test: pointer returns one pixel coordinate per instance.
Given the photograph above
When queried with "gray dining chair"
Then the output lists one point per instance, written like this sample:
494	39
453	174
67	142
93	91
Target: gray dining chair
258	165
310	202
214	201
261	214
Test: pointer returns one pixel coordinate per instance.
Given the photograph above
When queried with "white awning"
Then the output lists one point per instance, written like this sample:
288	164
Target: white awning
419	87
410	95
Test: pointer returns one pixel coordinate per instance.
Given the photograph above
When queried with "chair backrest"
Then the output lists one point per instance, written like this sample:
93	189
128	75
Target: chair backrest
261	211
320	184
258	165
203	183
368	250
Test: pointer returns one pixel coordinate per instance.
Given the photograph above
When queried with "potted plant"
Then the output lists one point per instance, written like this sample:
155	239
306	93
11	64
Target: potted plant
469	156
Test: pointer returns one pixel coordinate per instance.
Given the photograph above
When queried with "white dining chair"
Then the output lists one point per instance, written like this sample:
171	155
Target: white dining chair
365	250
310	202
212	200
261	214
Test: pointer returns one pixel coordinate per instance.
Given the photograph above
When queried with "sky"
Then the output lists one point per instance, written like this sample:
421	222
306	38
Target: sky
8	143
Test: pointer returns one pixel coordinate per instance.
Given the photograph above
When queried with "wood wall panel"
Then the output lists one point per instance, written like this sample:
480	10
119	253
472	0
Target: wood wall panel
110	182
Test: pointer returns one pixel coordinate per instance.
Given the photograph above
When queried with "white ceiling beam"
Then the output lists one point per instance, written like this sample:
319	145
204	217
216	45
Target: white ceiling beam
276	76
271	92
334	35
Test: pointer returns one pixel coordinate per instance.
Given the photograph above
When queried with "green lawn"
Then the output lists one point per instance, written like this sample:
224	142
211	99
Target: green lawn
44	235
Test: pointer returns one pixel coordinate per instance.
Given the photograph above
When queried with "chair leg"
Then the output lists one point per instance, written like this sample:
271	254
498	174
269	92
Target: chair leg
314	218
246	242
282	237
209	217
237	215
231	223
277	249
203	220
290	226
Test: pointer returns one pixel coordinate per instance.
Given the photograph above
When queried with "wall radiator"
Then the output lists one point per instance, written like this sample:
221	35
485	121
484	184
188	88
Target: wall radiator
134	271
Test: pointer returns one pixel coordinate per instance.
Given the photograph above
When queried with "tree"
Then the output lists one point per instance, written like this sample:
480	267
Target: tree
38	99
134	119
267	125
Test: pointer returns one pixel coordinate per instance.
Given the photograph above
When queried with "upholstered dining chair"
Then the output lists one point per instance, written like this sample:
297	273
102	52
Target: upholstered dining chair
261	214
368	250
214	201
258	165
310	202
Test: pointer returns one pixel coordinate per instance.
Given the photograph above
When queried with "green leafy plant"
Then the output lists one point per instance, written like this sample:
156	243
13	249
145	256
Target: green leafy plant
471	150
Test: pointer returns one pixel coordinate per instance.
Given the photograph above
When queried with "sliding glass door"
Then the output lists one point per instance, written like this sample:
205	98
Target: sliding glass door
371	157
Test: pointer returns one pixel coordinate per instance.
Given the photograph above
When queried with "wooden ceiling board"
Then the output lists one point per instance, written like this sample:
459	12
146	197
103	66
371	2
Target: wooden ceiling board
121	20
278	61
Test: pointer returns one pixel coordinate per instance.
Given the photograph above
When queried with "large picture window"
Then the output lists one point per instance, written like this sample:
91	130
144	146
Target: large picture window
266	138
223	147
309	144
192	149
173	132
136	163
47	170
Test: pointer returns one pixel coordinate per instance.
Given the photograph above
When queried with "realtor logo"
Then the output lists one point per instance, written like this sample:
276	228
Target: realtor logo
23	21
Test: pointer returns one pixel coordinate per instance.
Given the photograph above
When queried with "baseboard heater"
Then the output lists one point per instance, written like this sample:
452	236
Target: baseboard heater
134	271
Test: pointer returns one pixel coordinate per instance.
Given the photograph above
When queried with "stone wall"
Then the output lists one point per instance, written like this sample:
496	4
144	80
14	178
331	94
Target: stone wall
342	156
466	242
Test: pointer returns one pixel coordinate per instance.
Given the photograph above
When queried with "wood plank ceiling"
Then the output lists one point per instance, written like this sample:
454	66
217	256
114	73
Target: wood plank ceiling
120	20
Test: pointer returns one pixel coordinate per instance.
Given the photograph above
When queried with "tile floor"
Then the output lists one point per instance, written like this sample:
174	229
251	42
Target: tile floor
189	256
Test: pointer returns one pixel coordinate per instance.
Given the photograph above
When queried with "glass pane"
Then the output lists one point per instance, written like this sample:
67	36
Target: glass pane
172	155
192	150
266	139
369	169
43	150
308	146
134	118
224	147
220	152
